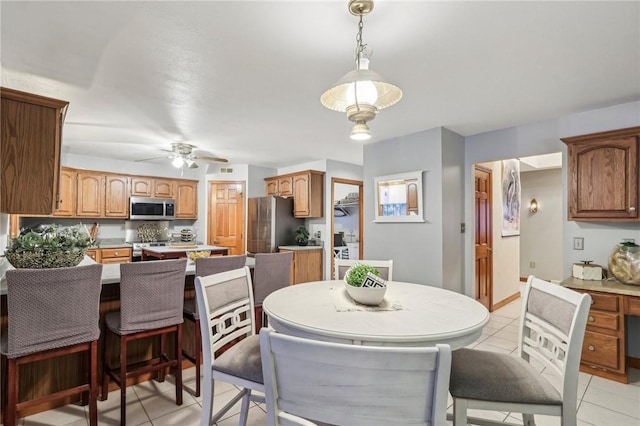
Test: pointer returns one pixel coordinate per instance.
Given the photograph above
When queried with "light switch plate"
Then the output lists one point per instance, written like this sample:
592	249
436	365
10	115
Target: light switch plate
578	243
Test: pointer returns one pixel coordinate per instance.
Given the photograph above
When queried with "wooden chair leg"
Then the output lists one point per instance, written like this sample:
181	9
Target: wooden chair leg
106	358
178	357
11	414
93	384
123	380
163	349
198	355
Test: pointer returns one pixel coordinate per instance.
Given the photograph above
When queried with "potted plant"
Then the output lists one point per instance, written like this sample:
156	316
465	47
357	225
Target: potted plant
302	235
47	247
354	279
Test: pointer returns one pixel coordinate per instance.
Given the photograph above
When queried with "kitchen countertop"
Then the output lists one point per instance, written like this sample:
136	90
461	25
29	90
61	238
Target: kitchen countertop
292	248
110	244
605	286
110	271
174	249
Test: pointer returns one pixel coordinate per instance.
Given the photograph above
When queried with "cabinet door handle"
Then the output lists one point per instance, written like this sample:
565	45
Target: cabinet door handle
632	209
592	348
591	319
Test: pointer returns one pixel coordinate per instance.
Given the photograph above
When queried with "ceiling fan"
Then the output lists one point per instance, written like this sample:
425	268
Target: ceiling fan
182	154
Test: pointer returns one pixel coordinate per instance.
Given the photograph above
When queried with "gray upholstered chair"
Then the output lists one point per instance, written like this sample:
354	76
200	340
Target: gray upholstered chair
384	266
271	272
151	302
205	266
229	327
309	381
552	326
50	313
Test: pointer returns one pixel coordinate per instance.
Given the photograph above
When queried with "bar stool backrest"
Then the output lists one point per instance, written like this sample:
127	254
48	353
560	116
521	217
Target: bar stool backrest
271	272
52	308
151	294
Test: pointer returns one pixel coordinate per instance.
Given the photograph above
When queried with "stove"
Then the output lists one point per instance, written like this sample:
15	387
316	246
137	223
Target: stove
138	246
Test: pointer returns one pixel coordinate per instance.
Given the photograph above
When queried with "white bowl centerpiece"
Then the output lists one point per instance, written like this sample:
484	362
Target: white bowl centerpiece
364	285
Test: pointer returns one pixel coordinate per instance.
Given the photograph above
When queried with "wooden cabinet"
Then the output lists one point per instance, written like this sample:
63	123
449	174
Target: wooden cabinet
186	199
164	188
116	196
99	195
603	176
305	187
90	194
603	350
308	194
141	186
281	186
111	255
31	129
307	265
67	199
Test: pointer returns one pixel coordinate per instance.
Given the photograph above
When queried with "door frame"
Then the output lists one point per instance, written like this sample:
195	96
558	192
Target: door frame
477	167
360	186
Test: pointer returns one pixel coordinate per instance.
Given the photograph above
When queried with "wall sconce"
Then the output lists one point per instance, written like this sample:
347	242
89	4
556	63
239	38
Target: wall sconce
533	206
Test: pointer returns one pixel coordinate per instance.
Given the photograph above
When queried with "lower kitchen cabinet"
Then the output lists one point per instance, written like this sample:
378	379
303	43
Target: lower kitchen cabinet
110	255
307	264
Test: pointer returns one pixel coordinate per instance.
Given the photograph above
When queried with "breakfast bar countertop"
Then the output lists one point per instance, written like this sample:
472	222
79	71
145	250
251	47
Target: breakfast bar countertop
605	286
183	248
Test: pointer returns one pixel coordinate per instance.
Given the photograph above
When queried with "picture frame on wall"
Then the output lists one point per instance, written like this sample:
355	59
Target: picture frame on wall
511	194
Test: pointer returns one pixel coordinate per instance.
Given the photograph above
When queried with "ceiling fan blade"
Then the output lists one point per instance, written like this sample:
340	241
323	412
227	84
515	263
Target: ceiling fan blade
203	157
193	165
152	158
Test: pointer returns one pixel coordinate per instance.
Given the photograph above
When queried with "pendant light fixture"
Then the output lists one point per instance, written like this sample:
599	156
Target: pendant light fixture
361	93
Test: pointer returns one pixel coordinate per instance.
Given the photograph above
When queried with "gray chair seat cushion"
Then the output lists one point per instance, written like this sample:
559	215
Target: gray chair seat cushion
242	360
189	309
490	376
112	320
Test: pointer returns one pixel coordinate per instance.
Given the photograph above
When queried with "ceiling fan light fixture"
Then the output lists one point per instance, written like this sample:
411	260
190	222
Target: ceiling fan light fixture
178	162
362	92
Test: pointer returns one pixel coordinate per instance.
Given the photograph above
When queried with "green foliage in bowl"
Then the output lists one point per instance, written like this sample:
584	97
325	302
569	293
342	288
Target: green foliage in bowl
358	272
47	247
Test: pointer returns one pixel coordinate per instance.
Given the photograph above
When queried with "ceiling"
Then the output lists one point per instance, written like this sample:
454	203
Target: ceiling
242	80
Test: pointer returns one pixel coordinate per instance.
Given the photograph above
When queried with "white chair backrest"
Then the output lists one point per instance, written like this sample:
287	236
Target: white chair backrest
351	384
552	326
228	297
384	266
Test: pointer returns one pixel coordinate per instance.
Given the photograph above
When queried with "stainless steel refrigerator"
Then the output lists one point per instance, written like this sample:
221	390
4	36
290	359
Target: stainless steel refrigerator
271	224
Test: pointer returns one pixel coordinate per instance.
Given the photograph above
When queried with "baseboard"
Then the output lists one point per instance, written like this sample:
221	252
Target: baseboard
633	362
505	302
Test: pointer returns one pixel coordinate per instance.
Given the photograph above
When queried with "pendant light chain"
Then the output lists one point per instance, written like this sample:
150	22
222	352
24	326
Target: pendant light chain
360	47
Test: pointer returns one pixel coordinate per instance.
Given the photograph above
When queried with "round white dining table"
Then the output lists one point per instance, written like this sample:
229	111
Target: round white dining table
410	315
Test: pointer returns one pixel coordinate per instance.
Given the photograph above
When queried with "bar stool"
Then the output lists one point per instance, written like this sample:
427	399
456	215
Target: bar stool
50	313
206	266
271	272
151	302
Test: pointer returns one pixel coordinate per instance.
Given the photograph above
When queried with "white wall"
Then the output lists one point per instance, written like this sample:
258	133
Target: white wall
431	252
541	232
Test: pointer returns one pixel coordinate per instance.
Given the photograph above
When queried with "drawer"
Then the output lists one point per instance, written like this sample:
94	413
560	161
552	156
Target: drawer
94	254
632	305
603	320
116	260
605	302
601	350
118	252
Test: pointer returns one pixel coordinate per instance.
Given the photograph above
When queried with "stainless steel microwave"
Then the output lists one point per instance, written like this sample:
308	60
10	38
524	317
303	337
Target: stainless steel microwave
142	208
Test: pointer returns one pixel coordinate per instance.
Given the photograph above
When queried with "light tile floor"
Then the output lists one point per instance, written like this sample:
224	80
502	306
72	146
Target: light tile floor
601	402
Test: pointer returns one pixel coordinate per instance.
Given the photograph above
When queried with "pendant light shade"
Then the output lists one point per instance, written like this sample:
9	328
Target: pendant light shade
361	93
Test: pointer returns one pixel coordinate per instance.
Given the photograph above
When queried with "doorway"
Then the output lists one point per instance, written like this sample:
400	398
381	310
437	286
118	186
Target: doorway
346	220
226	216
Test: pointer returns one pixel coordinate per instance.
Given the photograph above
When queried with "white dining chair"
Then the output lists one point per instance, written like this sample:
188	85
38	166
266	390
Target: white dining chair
309	381
228	327
552	326
384	266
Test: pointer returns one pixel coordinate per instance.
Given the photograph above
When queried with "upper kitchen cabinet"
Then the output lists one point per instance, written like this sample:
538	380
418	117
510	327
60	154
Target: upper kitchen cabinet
31	128
186	199
305	187
67	199
280	186
116	196
101	195
603	176
152	187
